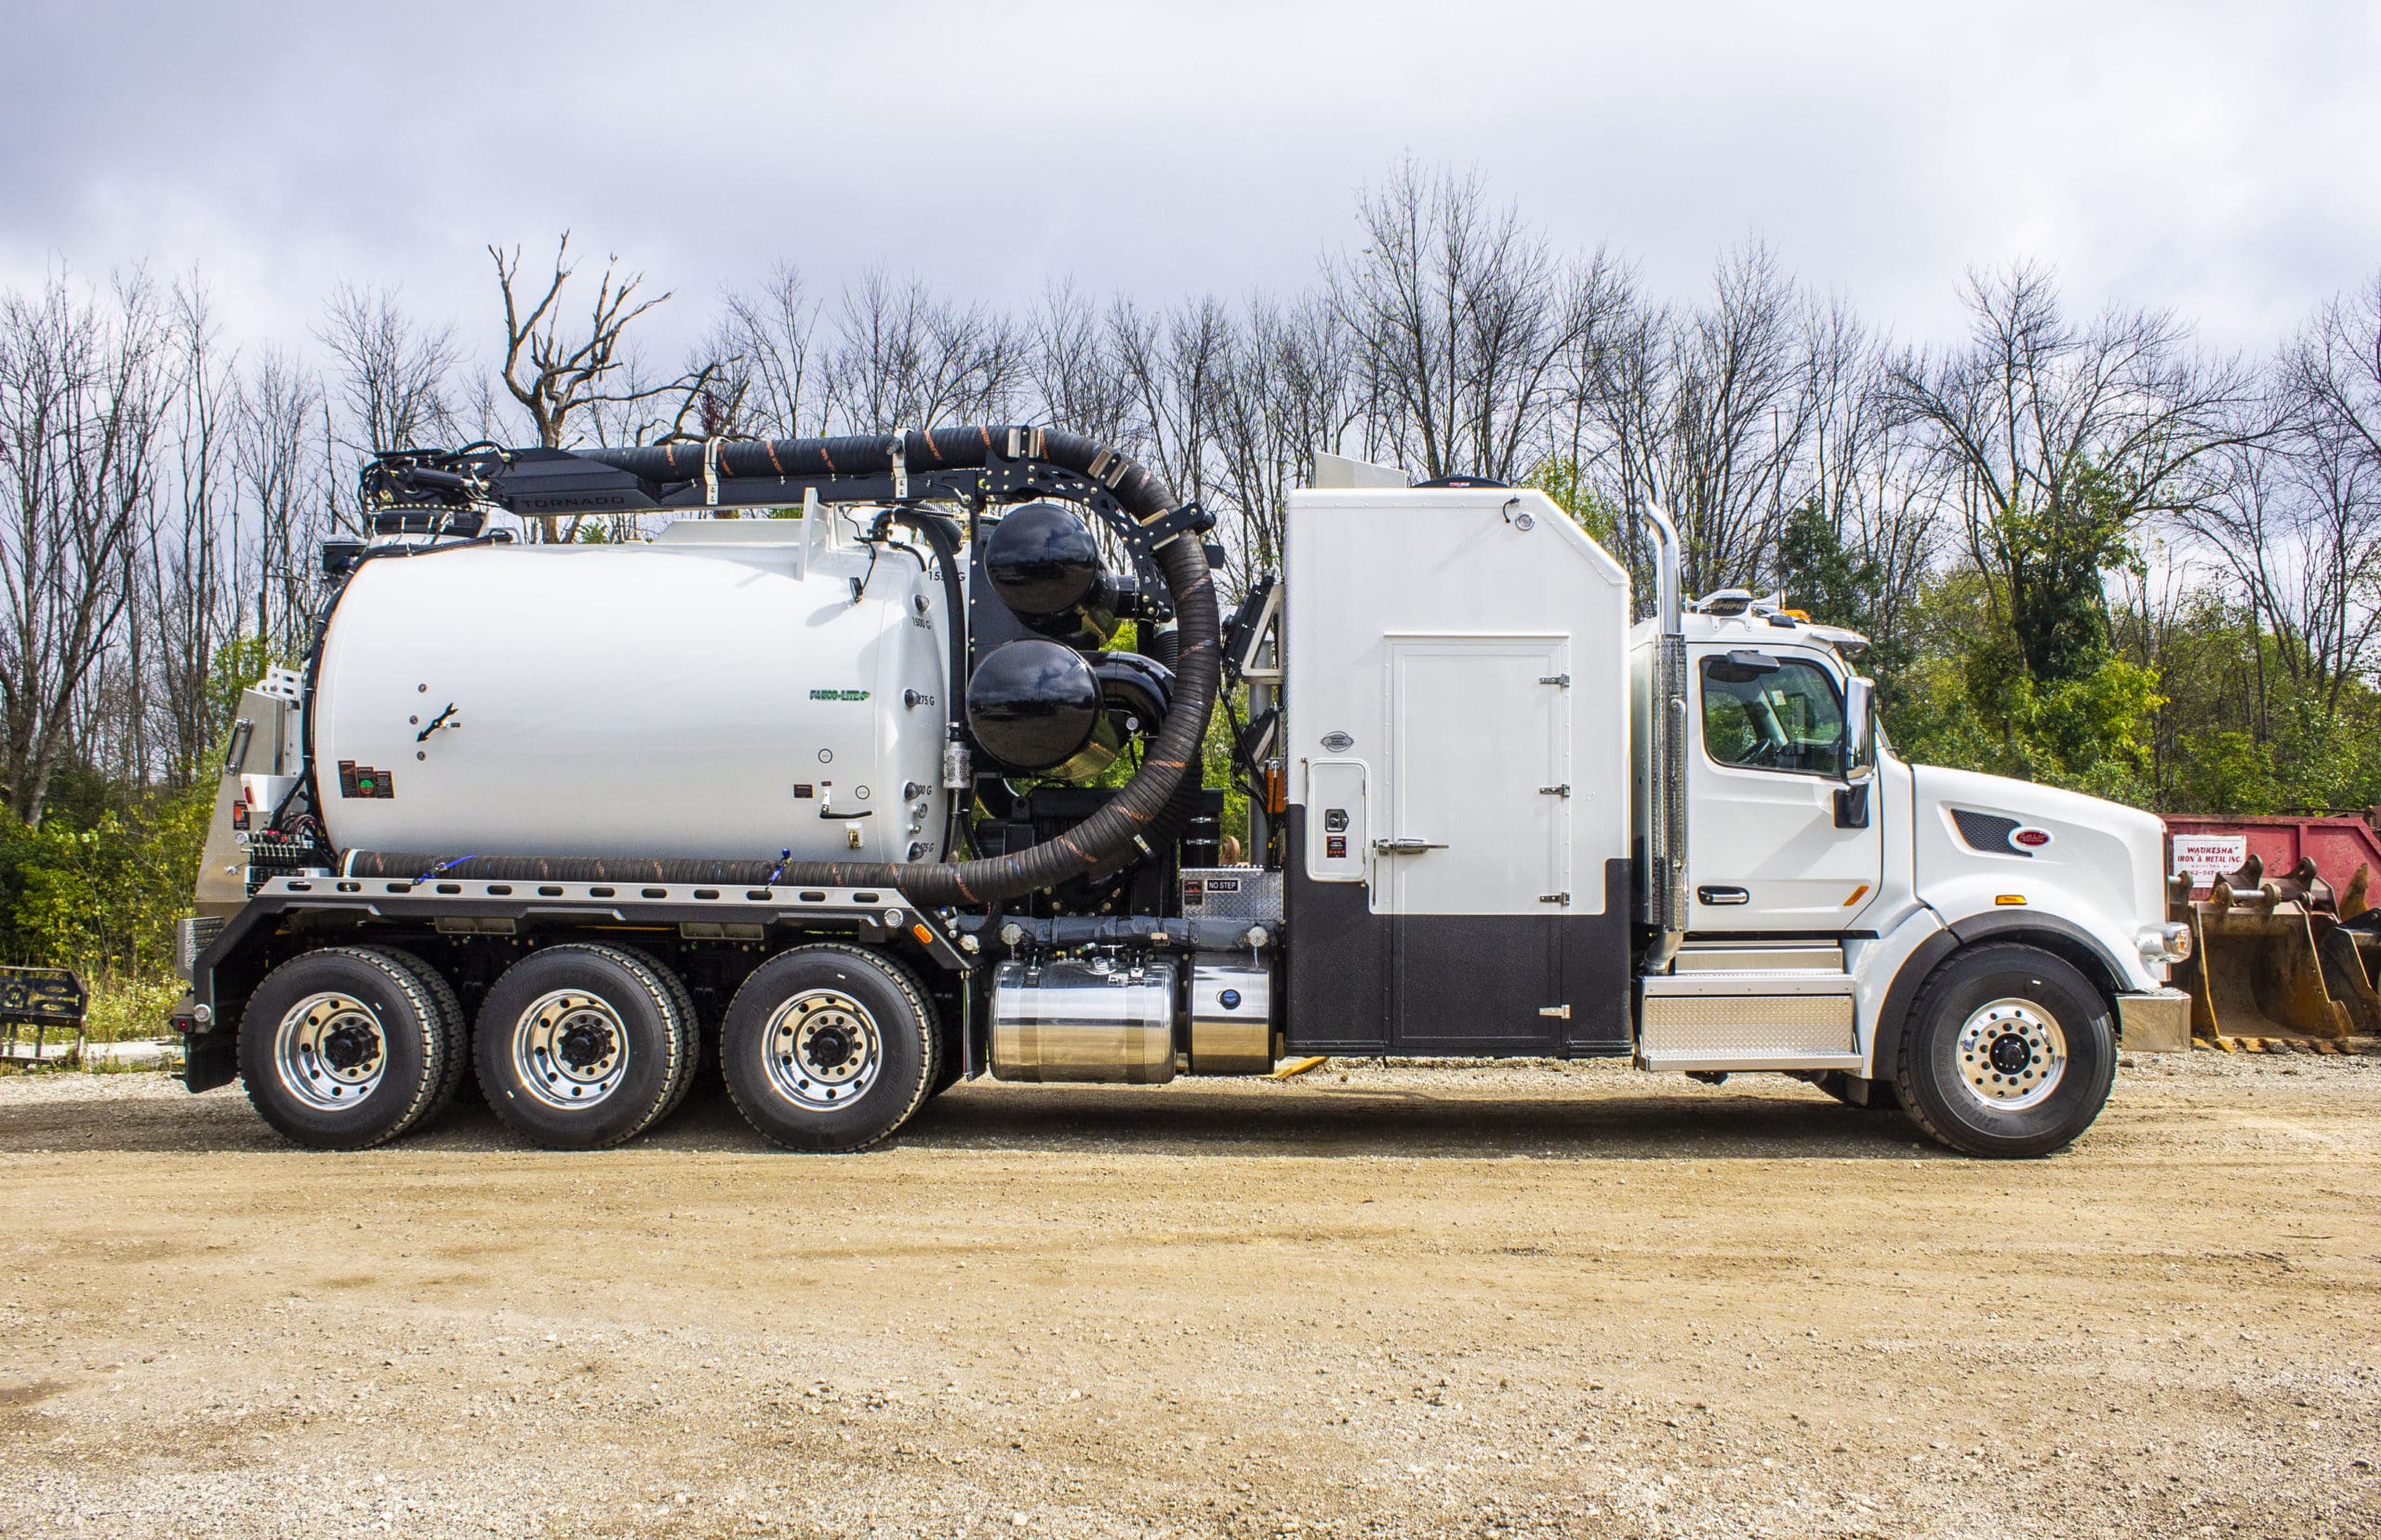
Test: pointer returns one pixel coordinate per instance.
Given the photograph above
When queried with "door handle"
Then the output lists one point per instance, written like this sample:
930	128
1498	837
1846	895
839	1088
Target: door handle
1718	897
1405	847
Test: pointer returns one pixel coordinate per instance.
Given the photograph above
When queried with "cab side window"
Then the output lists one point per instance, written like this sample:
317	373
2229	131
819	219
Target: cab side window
1764	713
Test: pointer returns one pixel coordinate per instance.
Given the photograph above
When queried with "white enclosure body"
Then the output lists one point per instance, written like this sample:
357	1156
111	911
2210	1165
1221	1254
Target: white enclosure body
1471	648
717	694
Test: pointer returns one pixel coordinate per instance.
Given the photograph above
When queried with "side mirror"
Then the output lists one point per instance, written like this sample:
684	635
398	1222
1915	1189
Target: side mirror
1859	730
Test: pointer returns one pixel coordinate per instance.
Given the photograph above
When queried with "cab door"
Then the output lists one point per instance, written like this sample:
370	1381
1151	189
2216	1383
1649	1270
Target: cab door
1766	849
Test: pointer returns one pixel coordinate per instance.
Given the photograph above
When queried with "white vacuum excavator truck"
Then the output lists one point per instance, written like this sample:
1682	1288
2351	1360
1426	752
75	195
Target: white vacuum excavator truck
827	798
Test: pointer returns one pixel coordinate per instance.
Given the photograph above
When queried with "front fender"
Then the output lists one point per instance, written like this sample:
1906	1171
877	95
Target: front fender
2112	963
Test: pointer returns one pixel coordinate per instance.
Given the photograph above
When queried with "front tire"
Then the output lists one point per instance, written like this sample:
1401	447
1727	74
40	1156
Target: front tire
829	1048
1854	1092
2009	1052
582	1046
346	1047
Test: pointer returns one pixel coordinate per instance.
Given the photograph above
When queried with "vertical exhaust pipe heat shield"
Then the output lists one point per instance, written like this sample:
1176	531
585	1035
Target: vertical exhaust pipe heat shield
1666	750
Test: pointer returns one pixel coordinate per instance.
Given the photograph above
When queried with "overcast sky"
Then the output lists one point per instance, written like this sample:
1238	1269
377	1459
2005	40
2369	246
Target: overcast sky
2219	158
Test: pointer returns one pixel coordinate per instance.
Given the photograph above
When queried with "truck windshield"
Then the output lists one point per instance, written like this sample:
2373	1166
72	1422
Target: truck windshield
1785	718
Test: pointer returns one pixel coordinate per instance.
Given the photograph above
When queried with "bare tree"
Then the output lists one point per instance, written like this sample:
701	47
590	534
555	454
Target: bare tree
1460	314
1288	393
2332	372
394	376
1865	471
557	378
564	378
1174	366
81	397
188	596
1705	412
2297	532
905	359
766	360
1072	372
282	478
2055	438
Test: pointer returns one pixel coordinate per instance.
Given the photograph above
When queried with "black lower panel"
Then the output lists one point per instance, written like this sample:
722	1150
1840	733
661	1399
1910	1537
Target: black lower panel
1450	984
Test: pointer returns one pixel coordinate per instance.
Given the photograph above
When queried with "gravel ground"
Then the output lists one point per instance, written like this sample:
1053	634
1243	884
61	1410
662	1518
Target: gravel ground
1375	1300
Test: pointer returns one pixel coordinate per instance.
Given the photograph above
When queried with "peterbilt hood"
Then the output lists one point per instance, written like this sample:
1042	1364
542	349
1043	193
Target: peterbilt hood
1983	840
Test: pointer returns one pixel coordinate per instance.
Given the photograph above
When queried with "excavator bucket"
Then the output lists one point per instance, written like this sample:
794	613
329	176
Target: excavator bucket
2351	957
2257	973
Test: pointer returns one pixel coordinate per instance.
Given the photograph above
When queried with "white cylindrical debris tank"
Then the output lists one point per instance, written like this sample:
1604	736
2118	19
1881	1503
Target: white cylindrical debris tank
719	694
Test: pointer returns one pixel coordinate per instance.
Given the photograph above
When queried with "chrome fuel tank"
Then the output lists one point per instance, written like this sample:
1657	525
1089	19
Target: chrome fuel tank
1085	1021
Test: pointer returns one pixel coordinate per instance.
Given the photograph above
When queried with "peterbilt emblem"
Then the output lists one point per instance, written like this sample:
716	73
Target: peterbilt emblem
2030	839
1337	743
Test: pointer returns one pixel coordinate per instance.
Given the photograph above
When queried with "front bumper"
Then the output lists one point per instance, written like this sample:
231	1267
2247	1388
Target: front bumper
2159	1022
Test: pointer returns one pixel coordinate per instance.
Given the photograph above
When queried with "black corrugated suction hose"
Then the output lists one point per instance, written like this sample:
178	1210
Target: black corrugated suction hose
1100	841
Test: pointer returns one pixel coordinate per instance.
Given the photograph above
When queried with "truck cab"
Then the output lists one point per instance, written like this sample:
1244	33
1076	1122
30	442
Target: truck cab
1818	849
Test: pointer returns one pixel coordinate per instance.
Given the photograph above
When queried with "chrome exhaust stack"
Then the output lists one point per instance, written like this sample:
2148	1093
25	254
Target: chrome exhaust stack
1666	750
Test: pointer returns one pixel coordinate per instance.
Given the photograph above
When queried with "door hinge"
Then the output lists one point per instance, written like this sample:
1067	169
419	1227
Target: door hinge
1561	681
1561	791
1553	897
1560	1013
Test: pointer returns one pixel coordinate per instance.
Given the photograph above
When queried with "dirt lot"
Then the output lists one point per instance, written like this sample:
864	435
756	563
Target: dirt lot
1394	1301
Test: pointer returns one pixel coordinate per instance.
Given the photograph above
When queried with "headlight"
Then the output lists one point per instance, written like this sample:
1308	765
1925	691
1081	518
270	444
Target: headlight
2167	943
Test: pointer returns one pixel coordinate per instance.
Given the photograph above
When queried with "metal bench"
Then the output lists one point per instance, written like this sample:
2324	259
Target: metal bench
40	1008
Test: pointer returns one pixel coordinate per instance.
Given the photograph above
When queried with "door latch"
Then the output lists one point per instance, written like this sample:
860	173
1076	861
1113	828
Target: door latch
1560	1013
1554	899
1561	681
1561	791
1405	847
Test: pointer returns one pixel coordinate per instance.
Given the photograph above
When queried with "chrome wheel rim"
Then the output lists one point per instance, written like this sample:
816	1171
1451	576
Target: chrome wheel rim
569	1049
331	1051
2012	1055
822	1050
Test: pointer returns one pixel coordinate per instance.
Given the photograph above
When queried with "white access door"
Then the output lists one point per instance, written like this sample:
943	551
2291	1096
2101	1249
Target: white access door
1473	867
1479	821
1764	853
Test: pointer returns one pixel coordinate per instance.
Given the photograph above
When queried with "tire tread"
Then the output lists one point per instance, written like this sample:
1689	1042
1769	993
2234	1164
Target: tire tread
675	1073
1948	976
924	1017
407	974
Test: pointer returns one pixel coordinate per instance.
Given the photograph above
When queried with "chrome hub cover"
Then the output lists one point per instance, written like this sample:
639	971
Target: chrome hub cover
823	1050
330	1051
569	1049
2012	1055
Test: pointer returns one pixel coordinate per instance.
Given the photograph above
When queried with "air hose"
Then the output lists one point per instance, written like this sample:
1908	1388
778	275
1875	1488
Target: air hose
1135	815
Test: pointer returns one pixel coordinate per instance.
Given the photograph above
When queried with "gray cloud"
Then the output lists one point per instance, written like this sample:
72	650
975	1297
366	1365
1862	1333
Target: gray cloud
2210	157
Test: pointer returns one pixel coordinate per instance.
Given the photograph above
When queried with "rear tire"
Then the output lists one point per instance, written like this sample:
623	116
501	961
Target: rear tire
689	1028
345	1047
951	1055
829	1048
2009	1052
459	1031
582	1046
